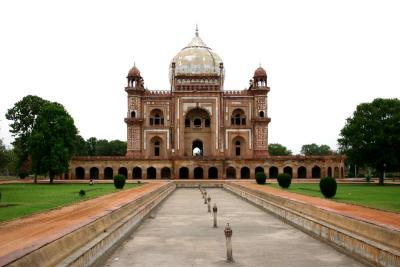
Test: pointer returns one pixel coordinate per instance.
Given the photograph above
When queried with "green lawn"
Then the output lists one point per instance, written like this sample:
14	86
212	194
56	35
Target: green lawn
385	197
23	199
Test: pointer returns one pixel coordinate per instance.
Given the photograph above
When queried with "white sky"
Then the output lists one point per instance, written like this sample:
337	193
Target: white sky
322	57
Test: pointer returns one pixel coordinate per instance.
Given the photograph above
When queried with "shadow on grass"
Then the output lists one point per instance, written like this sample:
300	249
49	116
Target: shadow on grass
7	205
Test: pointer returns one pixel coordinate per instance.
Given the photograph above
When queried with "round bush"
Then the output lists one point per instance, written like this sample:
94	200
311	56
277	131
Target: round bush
284	180
260	178
119	181
328	187
23	175
82	193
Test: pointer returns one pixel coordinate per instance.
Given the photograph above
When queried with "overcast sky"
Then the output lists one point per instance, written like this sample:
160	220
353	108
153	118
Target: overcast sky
323	58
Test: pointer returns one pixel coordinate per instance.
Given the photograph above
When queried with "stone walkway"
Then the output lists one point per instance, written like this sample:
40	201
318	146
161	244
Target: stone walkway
180	233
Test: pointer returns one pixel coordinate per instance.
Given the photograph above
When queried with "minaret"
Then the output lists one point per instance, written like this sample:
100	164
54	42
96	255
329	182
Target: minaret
134	119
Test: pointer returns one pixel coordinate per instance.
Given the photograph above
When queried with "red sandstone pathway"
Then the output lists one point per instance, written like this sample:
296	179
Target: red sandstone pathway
385	219
21	236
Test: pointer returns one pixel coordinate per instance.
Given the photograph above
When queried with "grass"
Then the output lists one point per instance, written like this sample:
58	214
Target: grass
385	197
18	200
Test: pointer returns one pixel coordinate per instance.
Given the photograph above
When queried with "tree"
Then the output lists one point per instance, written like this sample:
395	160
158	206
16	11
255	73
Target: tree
81	148
372	136
102	147
316	150
3	155
23	116
53	140
276	149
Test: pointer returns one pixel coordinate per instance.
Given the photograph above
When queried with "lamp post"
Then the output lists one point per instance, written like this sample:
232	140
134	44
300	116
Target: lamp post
228	234
215	209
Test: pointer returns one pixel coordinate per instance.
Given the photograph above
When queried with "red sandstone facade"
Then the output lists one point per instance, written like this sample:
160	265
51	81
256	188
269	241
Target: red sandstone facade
196	129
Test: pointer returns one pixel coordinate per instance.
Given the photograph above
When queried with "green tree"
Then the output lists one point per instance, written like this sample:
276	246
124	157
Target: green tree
117	148
53	140
3	155
91	145
23	116
276	149
316	150
81	148
371	137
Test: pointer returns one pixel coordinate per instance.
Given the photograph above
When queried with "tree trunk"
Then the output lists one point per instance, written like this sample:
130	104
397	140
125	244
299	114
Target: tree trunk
51	175
381	177
35	179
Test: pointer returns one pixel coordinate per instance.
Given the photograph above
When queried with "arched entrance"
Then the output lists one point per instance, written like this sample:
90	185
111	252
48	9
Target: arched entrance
108	173
212	173
302	172
198	173
259	169
183	173
123	171
94	173
336	172
273	172
80	173
316	172
151	173
197	132
197	148
245	173
288	170
137	173
231	173
165	173
329	172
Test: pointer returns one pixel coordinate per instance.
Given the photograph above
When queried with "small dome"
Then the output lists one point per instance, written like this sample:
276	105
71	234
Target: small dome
134	72
196	59
260	72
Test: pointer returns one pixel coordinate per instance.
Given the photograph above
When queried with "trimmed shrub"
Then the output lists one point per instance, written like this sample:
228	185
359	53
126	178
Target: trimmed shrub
82	193
260	178
328	187
23	175
119	181
284	180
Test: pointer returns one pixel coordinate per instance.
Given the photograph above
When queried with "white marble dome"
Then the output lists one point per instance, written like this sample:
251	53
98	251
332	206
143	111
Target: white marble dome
196	59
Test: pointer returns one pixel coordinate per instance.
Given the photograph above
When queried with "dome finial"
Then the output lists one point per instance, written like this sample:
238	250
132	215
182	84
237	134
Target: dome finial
197	30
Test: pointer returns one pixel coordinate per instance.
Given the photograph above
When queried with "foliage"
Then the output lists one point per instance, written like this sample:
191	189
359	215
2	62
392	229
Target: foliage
366	194
371	137
10	167
53	141
81	147
101	147
23	116
3	155
261	178
119	181
284	180
316	150
328	187
82	193
25	199
276	149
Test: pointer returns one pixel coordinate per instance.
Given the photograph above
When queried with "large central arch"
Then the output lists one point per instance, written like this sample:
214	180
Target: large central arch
197	132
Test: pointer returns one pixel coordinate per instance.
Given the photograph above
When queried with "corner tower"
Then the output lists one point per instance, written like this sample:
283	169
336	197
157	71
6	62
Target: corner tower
134	118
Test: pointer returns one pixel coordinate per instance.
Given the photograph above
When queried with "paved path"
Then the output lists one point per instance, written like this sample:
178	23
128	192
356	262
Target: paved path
180	233
24	235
